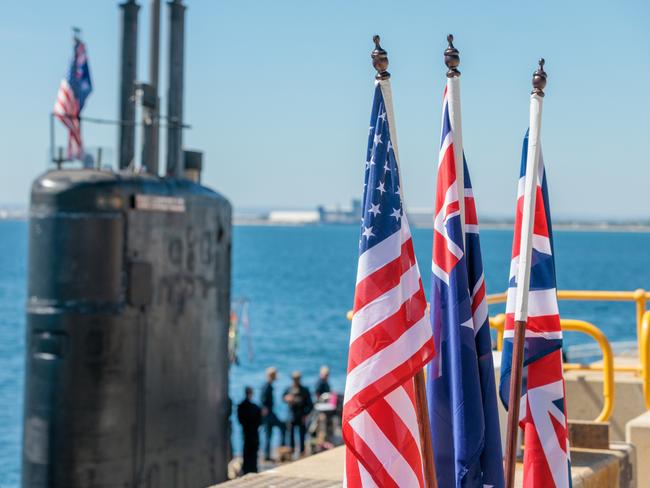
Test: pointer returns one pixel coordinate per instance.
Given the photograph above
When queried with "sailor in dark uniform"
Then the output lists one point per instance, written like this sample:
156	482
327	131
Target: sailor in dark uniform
269	418
250	418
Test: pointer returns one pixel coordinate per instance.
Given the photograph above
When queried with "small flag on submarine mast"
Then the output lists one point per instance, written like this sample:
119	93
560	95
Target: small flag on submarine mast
533	337
390	338
70	100
461	385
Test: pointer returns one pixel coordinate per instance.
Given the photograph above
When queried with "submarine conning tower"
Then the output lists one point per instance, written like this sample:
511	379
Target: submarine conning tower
127	320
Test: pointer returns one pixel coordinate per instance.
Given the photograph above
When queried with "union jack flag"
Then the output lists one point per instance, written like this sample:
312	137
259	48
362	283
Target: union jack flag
461	389
543	405
70	100
391	338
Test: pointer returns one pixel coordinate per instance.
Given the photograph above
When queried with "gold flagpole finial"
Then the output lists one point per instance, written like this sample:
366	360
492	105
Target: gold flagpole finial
380	60
539	79
452	58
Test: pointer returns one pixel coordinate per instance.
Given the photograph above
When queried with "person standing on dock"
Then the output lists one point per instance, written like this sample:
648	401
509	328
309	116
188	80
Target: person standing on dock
269	418
250	418
323	383
300	404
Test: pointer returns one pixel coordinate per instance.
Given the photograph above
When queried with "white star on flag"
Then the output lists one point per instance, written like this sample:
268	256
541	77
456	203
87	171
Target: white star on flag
396	213
381	188
377	139
367	232
374	209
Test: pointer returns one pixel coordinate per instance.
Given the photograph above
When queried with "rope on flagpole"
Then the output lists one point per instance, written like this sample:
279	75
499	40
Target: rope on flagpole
452	60
380	63
523	271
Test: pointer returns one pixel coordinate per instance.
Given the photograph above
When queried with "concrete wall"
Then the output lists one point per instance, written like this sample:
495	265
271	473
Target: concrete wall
585	399
638	434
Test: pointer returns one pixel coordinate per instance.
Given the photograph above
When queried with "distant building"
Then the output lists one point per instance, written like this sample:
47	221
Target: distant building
339	215
294	217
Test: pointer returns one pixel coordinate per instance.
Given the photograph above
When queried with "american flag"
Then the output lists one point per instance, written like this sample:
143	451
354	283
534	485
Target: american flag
391	338
70	100
461	389
543	405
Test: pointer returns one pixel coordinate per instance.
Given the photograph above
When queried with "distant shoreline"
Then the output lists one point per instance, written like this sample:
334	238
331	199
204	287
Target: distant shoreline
505	226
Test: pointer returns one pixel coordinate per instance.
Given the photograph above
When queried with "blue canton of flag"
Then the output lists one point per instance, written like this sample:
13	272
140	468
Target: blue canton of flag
461	385
382	202
79	75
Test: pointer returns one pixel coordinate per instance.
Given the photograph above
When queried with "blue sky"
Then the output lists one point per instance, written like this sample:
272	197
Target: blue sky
278	94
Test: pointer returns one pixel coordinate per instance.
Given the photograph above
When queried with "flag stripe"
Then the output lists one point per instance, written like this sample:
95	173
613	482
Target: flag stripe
388	359
374	285
384	252
388	331
387	304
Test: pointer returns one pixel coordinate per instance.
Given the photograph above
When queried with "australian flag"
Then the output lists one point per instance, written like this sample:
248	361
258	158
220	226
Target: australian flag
70	100
461	385
543	406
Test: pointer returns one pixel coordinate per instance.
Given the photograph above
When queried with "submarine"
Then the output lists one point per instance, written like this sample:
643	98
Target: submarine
129	301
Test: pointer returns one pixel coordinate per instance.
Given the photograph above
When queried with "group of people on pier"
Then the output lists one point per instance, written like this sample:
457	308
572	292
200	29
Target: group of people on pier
252	416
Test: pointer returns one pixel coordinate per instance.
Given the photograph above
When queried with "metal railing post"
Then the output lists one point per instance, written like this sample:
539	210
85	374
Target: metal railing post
644	356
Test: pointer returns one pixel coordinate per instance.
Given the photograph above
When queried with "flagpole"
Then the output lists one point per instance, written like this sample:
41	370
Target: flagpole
380	63
452	60
523	271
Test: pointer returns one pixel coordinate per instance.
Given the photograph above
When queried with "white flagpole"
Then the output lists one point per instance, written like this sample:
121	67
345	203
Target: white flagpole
387	93
452	60
380	62
523	271
528	212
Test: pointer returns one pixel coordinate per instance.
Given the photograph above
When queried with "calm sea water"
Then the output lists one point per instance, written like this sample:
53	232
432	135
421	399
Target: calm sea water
300	283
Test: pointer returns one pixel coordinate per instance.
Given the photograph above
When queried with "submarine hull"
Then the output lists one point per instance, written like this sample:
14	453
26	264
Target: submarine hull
127	320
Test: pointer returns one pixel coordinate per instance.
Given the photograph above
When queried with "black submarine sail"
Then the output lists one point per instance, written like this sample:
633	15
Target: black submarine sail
128	306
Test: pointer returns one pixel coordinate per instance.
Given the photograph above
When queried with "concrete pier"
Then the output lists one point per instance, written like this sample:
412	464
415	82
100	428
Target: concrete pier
591	468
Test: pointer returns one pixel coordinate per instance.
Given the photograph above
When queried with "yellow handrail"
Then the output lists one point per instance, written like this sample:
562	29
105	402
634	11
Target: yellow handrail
608	362
499	321
644	357
639	296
